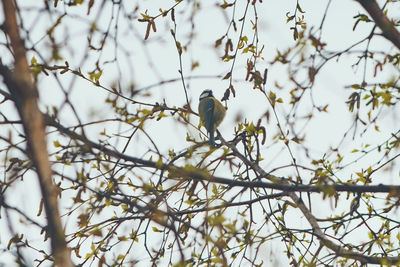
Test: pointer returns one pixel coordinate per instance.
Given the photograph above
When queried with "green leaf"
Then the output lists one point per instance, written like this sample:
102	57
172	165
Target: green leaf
56	144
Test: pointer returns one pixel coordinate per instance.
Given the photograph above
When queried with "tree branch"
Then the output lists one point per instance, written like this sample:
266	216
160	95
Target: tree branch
387	27
277	183
24	92
339	250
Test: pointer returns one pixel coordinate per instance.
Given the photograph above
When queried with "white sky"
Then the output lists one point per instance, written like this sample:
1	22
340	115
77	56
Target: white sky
324	131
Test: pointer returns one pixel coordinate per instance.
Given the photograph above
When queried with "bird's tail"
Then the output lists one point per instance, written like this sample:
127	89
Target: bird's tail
212	138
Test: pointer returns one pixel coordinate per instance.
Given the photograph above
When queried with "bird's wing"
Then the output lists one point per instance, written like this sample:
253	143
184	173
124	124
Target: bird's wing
210	114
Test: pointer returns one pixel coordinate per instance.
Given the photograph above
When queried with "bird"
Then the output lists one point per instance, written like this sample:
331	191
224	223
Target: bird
211	113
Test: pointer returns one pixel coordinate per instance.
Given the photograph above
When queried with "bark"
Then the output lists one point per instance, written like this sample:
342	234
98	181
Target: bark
20	84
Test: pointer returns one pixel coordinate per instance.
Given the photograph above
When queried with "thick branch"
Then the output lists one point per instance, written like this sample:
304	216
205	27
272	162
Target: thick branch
386	26
20	84
278	183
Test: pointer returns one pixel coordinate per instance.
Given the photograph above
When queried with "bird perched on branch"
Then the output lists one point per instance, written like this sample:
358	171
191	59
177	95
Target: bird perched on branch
211	112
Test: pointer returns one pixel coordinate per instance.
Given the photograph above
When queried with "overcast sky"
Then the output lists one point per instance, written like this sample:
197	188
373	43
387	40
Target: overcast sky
145	63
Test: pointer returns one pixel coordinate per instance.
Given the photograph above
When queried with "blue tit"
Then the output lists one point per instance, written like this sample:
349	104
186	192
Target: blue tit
211	112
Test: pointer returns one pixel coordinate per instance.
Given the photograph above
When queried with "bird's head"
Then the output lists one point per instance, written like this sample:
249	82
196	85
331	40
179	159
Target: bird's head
206	93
